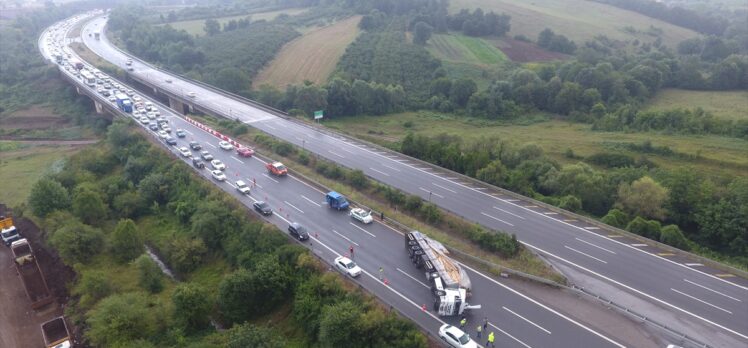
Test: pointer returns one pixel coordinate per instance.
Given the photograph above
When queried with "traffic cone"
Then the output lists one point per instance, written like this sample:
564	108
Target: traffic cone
423	308
386	282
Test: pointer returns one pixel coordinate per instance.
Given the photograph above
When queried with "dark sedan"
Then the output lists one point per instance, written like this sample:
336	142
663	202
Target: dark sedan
263	208
298	230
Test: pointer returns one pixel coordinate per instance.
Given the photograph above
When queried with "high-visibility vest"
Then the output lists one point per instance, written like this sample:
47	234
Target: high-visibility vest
479	328
490	337
463	322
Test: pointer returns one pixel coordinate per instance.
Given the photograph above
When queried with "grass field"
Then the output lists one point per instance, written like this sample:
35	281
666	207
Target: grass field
726	104
716	155
579	20
21	166
461	48
195	27
313	56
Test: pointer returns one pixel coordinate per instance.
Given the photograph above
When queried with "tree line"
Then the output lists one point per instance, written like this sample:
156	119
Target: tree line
683	17
634	195
96	212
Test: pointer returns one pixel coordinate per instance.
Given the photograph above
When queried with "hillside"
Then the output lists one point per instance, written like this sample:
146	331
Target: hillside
579	20
313	56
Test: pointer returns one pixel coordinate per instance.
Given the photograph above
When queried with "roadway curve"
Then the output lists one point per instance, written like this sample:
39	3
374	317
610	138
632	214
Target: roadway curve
680	287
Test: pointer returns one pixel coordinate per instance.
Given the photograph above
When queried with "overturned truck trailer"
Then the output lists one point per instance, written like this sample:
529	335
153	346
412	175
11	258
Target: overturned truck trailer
450	284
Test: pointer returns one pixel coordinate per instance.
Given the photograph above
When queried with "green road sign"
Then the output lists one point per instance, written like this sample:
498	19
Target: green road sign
318	114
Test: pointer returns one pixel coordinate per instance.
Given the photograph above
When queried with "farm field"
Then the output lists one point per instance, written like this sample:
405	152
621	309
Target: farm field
195	27
731	105
313	56
579	20
714	155
465	49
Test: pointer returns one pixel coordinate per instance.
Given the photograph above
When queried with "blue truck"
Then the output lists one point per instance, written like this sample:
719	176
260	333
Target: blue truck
336	200
123	102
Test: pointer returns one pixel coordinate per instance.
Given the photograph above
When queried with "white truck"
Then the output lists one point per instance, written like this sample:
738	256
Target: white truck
450	284
56	334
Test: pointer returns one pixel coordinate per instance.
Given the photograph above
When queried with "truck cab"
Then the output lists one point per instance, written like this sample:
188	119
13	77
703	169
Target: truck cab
10	235
336	200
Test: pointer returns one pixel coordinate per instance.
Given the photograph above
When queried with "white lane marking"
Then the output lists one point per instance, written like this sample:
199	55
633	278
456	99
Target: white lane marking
238	160
542	306
551	213
371	234
639	245
211	145
700	300
694	264
430	192
379	171
310	186
495	218
585	254
596	246
527	320
267	176
636	291
299	139
592	228
510	336
393	168
508	212
292	206
442	187
311	201
188	132
230	184
712	290
335	153
411	277
511	200
346	238
346	150
269	126
480	188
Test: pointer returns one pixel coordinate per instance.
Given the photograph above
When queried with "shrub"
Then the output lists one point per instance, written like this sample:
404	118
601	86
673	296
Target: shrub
93	286
413	203
46	196
77	242
616	218
249	335
431	213
357	179
186	254
570	203
192	306
121	318
611	160
283	148
303	158
672	235
149	274
644	227
125	243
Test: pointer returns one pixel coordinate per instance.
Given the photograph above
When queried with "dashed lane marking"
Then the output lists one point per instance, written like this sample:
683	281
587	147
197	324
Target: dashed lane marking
411	277
292	206
379	171
369	233
346	238
495	218
591	228
311	201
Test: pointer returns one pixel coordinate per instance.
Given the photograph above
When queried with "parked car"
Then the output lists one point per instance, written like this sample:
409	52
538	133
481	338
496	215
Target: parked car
263	208
242	187
361	215
455	337
347	266
244	151
218	175
298	230
185	152
217	164
198	163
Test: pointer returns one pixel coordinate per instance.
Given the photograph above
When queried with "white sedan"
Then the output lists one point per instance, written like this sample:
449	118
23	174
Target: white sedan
347	266
217	164
361	215
218	175
185	152
242	187
226	145
455	337
162	134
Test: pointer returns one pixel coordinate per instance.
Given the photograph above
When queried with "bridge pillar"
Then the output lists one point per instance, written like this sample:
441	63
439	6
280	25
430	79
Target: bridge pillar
177	105
99	107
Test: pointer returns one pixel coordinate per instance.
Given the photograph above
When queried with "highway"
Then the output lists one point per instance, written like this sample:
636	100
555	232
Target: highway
682	287
517	320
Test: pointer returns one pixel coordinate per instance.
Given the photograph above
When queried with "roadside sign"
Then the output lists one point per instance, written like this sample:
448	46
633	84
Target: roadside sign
318	114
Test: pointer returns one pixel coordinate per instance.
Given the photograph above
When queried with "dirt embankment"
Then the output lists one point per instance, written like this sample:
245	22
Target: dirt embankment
20	325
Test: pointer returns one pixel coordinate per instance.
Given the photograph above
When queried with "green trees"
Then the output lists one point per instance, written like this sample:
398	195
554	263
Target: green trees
647	228
89	206
77	242
673	236
212	27
149	274
46	196
186	254
232	79
248	335
338	324
643	197
247	293
461	90
422	33
126	243
192	305
122	318
553	42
